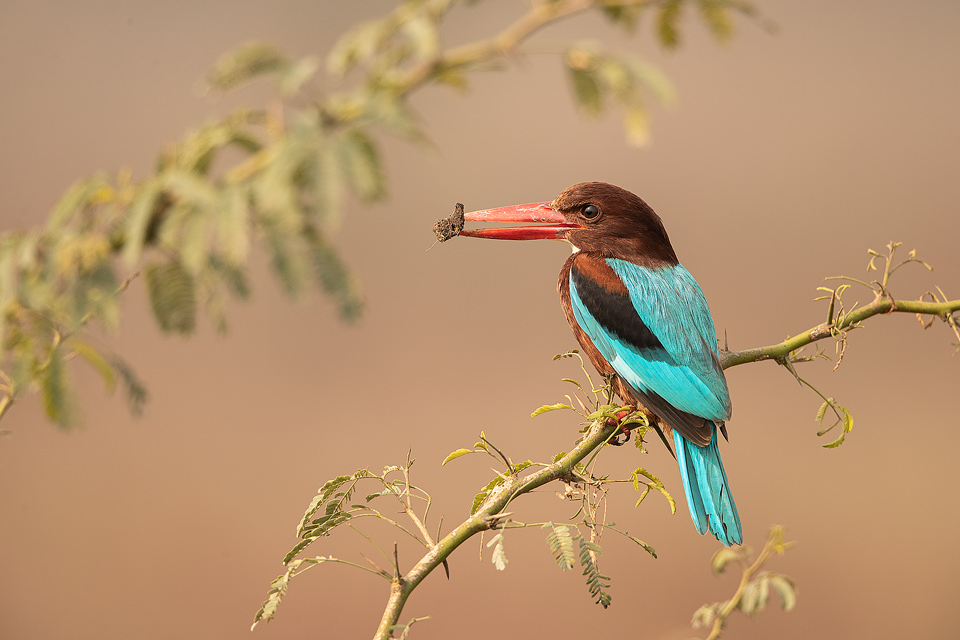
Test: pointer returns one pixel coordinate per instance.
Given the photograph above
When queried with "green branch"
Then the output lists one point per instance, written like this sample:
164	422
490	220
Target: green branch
488	516
782	350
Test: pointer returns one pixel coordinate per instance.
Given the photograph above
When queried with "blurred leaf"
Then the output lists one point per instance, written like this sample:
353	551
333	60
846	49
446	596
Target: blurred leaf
172	296
76	197
361	165
97	361
704	616
717	16
138	219
722	558
294	77
785	588
53	385
586	89
668	19
135	391
333	276
626	16
249	61
233	223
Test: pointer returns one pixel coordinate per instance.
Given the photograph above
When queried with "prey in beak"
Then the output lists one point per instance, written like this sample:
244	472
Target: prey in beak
537	212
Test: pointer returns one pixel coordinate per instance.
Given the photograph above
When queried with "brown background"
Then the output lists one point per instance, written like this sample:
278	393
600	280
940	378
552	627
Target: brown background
785	158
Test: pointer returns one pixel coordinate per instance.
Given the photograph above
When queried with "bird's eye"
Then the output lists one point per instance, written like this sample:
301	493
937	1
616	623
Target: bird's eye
590	211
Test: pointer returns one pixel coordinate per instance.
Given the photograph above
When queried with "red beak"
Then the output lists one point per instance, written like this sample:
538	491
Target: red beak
534	212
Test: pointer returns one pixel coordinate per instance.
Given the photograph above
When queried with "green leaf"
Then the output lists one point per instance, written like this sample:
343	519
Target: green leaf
822	411
333	275
361	164
717	17
847	428
596	582
137	221
654	483
477	501
561	545
77	196
586	88
97	361
704	616
278	588
248	62
234	224
293	77
135	391
172	297
550	407
456	454
53	385
785	588
668	19
721	558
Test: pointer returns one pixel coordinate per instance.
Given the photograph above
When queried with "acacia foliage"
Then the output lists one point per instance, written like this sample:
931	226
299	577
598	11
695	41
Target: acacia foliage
280	175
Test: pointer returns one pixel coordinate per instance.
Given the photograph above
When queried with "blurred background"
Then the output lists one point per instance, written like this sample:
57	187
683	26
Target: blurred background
786	156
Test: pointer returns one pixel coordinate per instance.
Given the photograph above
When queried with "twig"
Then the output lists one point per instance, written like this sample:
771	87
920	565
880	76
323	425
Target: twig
489	513
783	349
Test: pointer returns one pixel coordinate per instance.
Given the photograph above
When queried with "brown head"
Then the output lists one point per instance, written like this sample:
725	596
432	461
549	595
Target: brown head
595	217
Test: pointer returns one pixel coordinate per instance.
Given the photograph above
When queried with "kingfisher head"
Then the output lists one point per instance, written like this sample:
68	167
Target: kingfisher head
594	217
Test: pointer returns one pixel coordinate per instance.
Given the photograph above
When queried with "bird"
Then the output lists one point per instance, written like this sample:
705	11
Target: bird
643	321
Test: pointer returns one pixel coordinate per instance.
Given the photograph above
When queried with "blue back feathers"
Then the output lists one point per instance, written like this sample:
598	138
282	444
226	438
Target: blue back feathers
681	366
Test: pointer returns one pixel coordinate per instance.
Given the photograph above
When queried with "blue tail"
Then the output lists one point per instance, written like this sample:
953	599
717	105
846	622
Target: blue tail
708	492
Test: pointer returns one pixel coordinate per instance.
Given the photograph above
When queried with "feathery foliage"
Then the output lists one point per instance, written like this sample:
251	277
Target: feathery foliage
280	174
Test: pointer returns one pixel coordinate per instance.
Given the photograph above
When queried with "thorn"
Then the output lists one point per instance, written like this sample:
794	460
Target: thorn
396	561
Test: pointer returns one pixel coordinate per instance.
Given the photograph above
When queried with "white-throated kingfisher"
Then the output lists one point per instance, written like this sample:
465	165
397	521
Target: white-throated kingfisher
641	318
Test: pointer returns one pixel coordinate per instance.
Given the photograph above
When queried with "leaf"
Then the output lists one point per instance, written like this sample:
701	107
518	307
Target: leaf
717	17
656	483
703	617
361	164
586	88
456	454
561	545
233	223
172	297
333	275
478	500
53	385
323	493
278	589
847	428
248	62
294	76
721	558
668	19
785	588
499	556
137	221
135	391
97	361
76	196
550	407
595	580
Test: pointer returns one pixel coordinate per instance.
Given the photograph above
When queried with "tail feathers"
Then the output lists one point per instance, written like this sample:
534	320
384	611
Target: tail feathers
708	492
